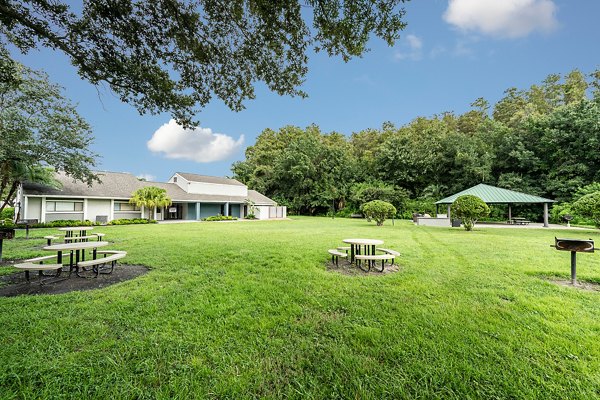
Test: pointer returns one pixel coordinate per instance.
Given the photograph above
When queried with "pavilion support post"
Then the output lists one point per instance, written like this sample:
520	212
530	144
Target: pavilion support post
448	213
437	210
545	215
509	212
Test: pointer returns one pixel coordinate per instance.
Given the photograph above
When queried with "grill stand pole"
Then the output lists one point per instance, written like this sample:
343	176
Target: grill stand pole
573	267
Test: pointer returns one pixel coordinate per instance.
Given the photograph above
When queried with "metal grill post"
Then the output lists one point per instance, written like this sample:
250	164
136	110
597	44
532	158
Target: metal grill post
573	267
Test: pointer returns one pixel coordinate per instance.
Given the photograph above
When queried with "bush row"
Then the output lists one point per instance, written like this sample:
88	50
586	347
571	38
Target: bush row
63	223
220	218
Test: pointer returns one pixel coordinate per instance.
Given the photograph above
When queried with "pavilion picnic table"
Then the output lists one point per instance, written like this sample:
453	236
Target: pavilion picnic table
519	221
76	250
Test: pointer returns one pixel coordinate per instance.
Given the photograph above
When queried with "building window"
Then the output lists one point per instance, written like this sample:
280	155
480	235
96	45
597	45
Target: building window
64	206
174	179
124	206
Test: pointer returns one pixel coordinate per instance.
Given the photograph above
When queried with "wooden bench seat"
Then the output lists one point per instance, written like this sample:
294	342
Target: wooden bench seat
335	255
109	262
372	258
78	238
35	264
50	238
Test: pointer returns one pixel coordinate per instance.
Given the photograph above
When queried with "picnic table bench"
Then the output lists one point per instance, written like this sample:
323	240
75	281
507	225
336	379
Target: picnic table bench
372	258
335	255
37	264
108	261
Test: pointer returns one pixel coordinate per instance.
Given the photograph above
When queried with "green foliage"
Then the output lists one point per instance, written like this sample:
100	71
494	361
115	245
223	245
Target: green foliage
250	216
417	206
7	213
220	218
134	221
150	197
589	206
39	128
469	209
188	47
378	211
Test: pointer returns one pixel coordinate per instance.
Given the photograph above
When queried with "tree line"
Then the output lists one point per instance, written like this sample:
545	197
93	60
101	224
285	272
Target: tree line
544	140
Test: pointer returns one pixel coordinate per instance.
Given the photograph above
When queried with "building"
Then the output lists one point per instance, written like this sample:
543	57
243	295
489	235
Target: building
194	197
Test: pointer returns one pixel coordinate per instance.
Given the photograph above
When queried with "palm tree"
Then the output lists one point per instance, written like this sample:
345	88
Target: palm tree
150	197
14	172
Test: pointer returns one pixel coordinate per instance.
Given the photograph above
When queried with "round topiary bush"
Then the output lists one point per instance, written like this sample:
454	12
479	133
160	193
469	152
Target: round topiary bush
469	209
378	211
588	206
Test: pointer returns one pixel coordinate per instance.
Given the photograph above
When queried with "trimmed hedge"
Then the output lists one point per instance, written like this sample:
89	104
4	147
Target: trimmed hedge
125	221
220	218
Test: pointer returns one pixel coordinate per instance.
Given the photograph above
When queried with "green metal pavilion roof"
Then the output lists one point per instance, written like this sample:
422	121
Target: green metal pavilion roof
495	195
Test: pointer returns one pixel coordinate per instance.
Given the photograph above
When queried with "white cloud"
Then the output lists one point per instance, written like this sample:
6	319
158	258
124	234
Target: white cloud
199	144
147	177
502	18
410	49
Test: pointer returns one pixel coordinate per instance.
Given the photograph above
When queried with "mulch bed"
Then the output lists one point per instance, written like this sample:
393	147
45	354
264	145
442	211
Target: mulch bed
346	268
15	284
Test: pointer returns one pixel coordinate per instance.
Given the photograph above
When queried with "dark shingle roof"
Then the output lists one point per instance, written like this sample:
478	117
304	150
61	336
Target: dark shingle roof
120	185
491	194
209	179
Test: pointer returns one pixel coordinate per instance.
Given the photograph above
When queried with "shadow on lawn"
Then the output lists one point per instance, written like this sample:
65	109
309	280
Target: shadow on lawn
15	284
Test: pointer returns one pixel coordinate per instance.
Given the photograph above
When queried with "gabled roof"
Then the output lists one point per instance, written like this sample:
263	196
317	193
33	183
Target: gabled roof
209	179
495	195
120	185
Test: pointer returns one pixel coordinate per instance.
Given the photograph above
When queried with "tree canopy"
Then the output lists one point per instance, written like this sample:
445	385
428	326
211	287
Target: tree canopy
39	128
542	140
150	197
196	49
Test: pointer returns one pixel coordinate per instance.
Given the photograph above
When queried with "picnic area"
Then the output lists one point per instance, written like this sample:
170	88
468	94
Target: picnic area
251	310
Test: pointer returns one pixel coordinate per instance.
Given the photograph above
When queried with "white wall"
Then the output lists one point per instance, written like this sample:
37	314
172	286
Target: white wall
34	207
425	221
216	188
261	212
97	207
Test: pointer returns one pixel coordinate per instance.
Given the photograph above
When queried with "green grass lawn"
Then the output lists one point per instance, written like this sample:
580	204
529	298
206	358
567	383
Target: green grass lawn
248	310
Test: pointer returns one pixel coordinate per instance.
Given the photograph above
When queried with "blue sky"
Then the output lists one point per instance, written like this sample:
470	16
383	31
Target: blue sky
451	53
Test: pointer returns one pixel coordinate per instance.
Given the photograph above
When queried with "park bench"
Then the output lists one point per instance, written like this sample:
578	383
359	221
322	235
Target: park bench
50	238
372	258
335	255
108	262
37	264
391	252
79	238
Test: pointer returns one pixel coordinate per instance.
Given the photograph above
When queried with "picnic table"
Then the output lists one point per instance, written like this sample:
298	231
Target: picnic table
70	231
518	221
74	248
362	246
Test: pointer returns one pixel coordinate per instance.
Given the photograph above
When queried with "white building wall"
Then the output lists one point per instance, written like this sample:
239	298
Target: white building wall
216	188
97	207
33	208
261	212
179	181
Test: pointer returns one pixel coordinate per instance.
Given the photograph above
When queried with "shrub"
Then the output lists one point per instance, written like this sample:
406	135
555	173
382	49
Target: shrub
250	216
220	218
126	221
588	206
8	213
378	210
469	208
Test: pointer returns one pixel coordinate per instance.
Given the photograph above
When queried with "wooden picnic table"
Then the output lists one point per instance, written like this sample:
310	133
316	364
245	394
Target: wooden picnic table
74	247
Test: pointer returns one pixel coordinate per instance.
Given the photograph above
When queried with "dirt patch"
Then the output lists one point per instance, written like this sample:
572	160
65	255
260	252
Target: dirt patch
15	284
347	268
594	287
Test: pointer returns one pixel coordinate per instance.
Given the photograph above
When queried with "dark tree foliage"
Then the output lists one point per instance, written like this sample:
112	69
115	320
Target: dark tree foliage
175	55
543	141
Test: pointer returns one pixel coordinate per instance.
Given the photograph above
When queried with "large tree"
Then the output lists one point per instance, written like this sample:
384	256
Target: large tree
38	128
192	50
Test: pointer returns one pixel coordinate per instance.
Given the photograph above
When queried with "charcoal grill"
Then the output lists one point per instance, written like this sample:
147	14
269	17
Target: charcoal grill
574	246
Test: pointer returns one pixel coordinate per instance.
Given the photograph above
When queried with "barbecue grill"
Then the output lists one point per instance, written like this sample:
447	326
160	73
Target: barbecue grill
574	246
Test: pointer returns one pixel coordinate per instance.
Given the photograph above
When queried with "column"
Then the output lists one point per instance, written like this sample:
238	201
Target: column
198	211
226	209
43	210
448	212
85	208
111	213
545	215
509	212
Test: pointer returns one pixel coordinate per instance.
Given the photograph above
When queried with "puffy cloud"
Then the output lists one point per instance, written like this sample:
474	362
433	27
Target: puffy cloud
502	18
146	177
199	144
413	45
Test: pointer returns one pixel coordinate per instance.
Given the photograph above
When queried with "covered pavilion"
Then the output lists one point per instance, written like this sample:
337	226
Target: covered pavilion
495	195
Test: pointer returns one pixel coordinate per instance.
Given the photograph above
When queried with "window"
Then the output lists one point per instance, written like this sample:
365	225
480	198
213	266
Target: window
124	206
64	206
174	179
